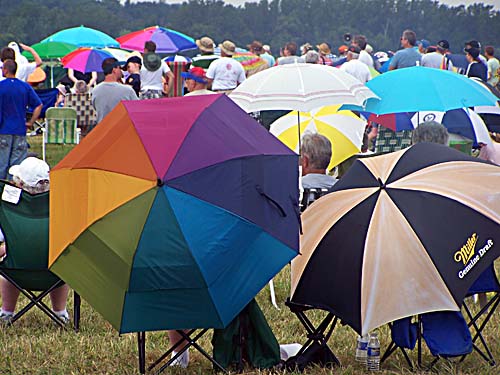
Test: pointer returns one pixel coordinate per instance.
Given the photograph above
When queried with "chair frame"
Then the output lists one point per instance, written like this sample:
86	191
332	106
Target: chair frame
315	334
44	126
192	336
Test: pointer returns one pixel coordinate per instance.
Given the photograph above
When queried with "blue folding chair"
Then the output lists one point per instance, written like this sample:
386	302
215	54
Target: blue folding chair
446	334
486	283
404	334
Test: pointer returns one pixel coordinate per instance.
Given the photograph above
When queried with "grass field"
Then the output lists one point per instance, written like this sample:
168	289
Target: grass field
35	346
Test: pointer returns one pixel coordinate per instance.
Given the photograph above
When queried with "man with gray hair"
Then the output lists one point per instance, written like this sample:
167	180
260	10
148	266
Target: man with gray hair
409	55
430	131
315	155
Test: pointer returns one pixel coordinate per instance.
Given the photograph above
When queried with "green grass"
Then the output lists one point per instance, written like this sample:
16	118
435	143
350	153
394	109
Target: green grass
35	346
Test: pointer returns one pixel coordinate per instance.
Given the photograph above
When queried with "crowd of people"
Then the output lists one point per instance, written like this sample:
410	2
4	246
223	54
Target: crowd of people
147	76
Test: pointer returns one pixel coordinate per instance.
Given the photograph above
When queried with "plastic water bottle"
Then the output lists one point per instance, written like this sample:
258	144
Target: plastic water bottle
362	348
373	353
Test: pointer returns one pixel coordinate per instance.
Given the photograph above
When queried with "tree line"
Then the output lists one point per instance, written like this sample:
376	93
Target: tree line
273	22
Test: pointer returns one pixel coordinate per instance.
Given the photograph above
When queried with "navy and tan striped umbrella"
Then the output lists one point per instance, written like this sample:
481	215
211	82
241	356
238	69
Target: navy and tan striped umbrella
401	234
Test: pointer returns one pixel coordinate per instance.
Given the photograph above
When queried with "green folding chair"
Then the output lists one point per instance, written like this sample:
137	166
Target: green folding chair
25	226
60	127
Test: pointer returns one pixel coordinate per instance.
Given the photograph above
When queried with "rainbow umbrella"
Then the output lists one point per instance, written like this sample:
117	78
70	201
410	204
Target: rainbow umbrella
167	41
173	213
343	128
82	37
86	59
249	61
178	58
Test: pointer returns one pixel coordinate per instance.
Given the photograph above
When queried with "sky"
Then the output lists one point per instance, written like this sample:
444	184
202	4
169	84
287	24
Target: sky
496	3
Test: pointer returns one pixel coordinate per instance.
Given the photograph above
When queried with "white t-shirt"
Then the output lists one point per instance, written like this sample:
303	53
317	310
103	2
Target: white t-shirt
434	60
153	80
226	72
493	71
366	58
357	69
24	70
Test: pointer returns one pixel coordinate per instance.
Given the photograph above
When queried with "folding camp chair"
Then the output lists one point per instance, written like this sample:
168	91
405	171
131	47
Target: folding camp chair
85	112
48	98
390	141
310	195
486	283
25	225
192	336
60	127
177	87
445	332
316	348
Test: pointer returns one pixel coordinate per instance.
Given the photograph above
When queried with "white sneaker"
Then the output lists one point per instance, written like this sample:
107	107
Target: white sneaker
181	361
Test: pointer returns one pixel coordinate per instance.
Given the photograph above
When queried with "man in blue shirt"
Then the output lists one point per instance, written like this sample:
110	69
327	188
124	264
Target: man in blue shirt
409	55
15	97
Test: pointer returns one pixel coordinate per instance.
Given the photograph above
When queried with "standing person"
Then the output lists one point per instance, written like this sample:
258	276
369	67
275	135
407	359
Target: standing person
438	59
196	82
476	44
15	97
364	57
267	55
111	91
289	55
325	54
493	66
206	56
133	67
475	68
226	74
156	76
24	68
409	55
355	67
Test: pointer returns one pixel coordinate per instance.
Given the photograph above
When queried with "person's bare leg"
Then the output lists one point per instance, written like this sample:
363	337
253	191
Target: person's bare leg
58	297
10	294
175	337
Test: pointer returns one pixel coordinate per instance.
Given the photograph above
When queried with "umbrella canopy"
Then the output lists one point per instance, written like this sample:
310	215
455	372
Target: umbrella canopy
249	61
86	59
422	89
121	54
301	87
82	37
402	234
178	58
50	50
173	213
167	41
343	128
460	121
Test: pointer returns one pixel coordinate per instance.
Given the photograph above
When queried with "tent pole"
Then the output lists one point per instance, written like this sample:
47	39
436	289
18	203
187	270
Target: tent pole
298	123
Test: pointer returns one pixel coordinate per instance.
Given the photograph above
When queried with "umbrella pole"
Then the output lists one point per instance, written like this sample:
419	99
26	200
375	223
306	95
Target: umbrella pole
298	126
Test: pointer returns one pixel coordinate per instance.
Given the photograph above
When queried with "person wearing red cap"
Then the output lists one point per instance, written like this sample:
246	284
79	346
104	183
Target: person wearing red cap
196	82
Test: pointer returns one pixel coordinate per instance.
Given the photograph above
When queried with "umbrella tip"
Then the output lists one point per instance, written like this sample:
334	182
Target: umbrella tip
159	182
381	184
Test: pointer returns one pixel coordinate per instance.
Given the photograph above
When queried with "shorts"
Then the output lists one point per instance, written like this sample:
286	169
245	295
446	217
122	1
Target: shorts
151	94
13	150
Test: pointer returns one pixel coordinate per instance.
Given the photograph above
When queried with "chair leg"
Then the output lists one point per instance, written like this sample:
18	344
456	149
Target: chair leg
76	311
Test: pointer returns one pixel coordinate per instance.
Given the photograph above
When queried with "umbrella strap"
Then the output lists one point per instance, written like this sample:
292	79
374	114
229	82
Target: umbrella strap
276	204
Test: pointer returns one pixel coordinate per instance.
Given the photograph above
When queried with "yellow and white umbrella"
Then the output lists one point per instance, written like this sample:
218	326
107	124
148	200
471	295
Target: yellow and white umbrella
343	128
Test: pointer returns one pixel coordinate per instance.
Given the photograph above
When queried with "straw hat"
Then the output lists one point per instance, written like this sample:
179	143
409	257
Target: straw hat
228	47
205	44
324	49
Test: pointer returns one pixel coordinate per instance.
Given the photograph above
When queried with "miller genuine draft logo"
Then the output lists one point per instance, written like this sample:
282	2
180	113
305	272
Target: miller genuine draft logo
468	255
467	251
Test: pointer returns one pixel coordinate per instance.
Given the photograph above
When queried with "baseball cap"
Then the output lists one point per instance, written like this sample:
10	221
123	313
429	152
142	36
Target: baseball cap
424	43
31	171
132	59
443	44
197	74
343	49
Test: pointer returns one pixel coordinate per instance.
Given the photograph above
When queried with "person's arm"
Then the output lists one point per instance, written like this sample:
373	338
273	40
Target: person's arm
34	117
71	75
36	56
93	80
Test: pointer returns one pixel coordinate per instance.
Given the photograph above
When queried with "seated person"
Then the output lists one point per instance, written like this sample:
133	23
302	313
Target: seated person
81	87
315	155
430	131
32	175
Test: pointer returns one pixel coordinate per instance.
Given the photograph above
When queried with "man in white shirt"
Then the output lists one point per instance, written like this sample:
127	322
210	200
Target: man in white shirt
493	66
364	57
24	68
438	59
156	76
225	73
355	67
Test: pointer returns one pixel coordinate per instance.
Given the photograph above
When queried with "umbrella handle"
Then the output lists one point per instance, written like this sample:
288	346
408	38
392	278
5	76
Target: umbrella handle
276	204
